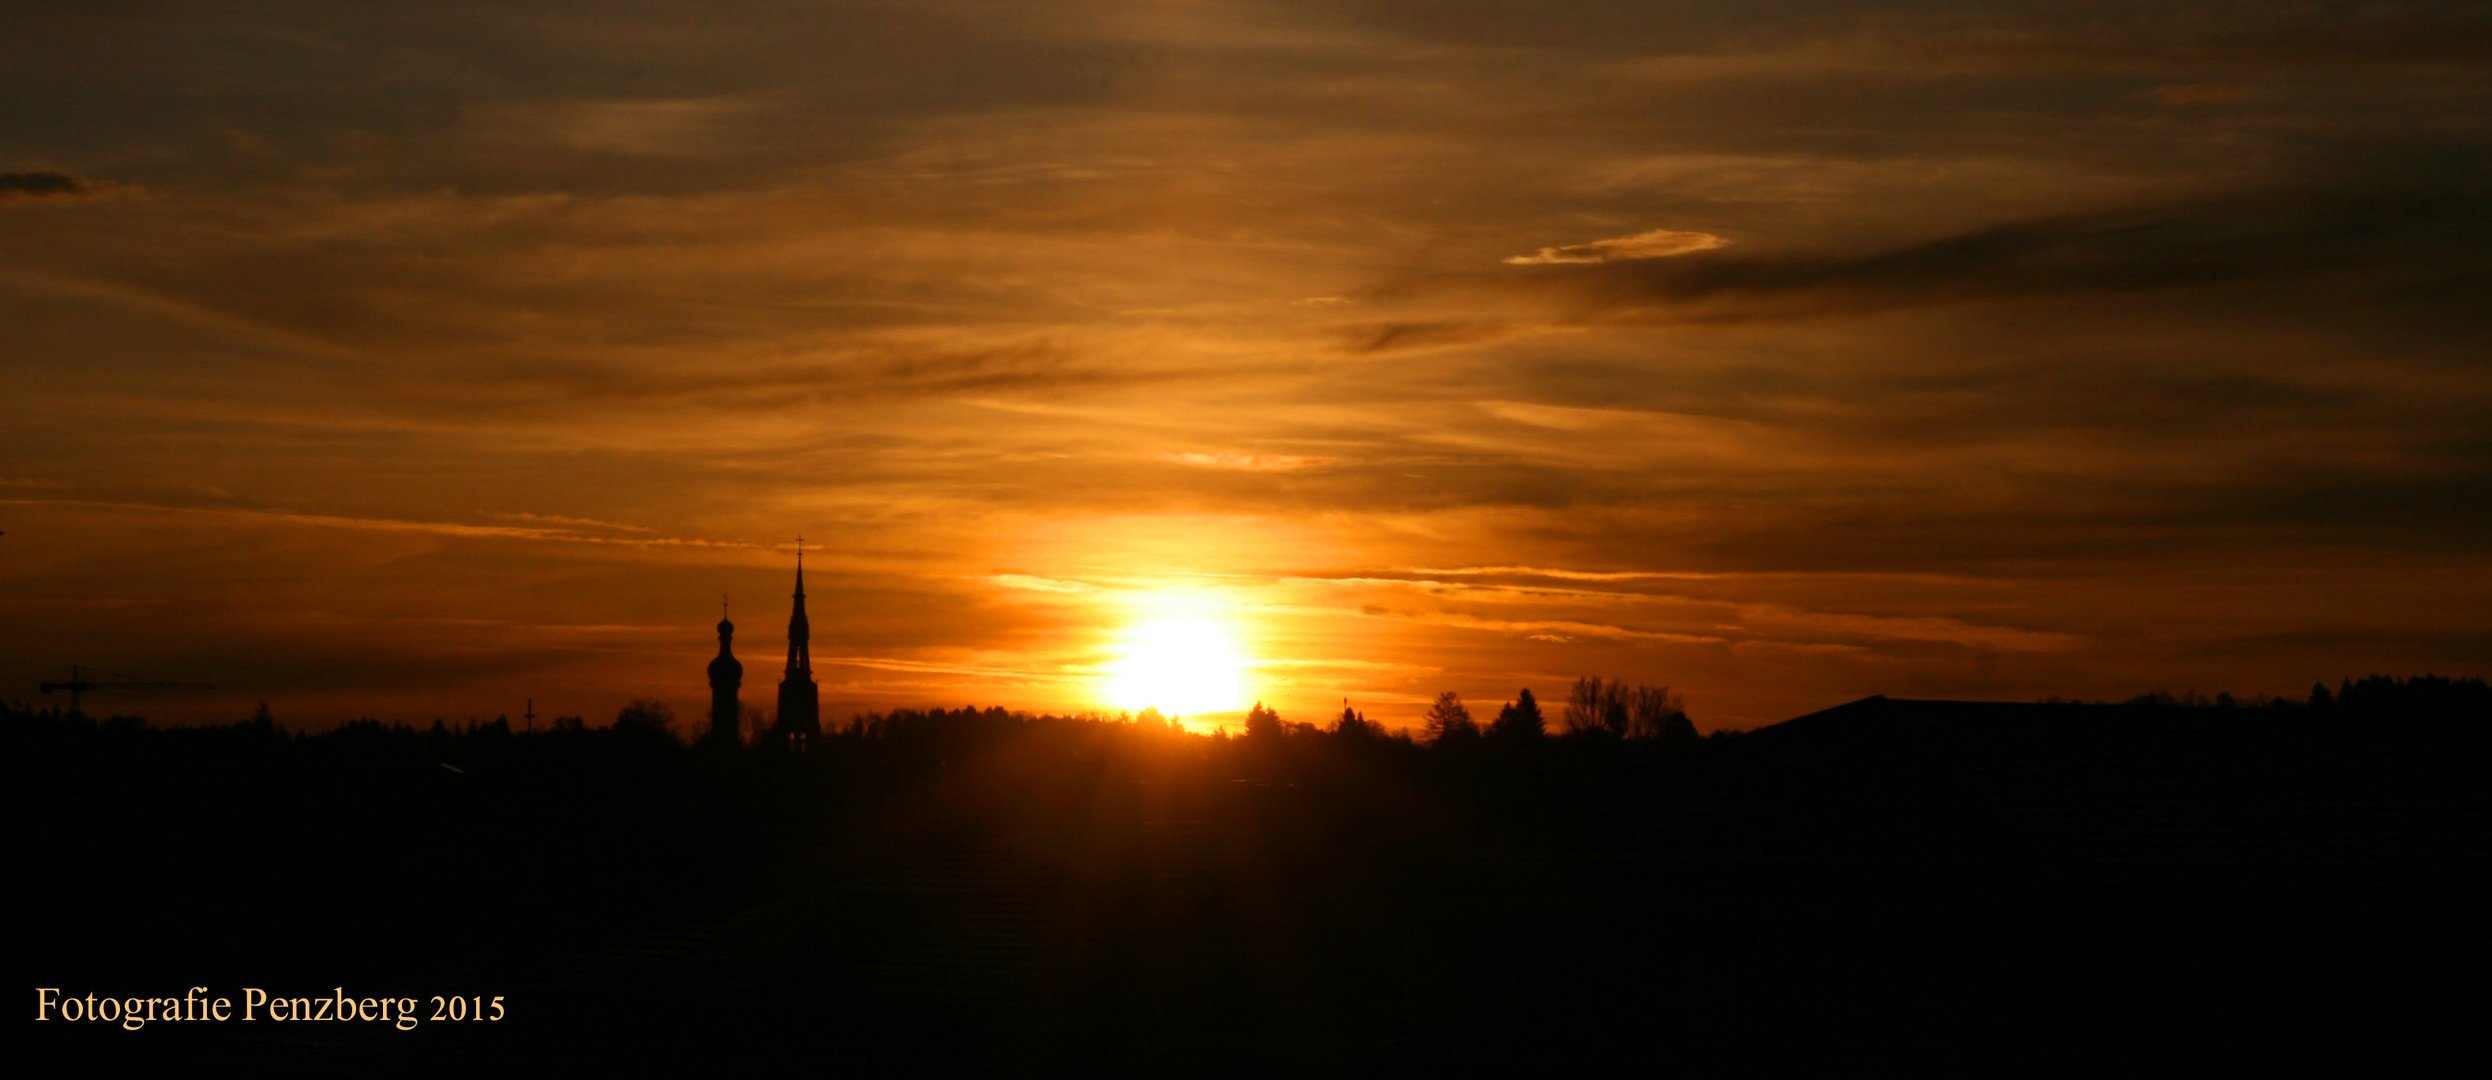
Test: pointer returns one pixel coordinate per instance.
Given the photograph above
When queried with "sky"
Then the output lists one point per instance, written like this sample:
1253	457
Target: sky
426	360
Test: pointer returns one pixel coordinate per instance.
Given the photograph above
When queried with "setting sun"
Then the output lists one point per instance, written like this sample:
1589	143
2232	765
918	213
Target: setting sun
1180	664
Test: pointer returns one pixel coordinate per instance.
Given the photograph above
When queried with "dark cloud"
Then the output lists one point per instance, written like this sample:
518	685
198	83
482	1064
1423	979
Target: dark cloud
502	98
2266	238
2033	32
28	186
1403	336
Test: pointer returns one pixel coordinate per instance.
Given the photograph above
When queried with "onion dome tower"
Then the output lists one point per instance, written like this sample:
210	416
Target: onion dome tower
726	679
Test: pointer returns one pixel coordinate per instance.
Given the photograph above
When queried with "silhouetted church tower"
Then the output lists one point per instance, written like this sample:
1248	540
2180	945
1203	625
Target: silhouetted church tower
726	678
800	700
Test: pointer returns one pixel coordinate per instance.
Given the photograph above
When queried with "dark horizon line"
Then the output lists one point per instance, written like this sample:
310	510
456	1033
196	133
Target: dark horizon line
2321	696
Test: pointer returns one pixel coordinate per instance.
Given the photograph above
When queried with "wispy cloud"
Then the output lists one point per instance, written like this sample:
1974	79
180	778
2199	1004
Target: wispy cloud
454	529
1400	336
1783	623
942	667
1246	462
1545	628
565	521
658	127
1696	618
1561	574
1034	583
1657	244
2185	95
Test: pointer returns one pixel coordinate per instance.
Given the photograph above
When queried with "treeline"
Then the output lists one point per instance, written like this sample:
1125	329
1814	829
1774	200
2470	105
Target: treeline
2417	698
1596	710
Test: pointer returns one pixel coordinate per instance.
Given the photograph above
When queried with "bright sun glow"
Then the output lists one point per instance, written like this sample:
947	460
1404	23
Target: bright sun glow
1183	663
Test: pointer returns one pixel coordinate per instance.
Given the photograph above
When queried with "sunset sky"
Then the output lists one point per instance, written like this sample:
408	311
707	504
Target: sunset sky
415	360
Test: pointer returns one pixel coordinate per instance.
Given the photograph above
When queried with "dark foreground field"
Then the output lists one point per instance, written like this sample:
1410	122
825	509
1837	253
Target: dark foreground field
1882	893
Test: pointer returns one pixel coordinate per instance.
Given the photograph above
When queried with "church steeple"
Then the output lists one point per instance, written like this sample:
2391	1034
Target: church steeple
799	631
800	699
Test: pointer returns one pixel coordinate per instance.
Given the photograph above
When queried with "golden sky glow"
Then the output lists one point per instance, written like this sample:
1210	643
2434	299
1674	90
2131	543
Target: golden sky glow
420	362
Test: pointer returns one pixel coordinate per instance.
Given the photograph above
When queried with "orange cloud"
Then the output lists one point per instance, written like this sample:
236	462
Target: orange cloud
1657	244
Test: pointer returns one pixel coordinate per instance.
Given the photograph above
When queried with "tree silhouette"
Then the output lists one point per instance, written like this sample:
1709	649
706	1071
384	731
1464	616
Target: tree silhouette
1597	709
1450	719
645	718
1353	724
1520	718
1656	713
1615	709
1151	719
2422	698
1262	723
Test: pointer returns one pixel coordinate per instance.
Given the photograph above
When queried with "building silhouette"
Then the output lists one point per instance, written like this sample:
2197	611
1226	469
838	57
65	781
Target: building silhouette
800	699
726	679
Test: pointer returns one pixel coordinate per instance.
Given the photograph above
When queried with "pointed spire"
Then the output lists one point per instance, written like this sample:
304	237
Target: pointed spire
799	629
800	698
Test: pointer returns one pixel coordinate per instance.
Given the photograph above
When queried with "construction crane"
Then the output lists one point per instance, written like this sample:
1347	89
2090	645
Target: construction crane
78	684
